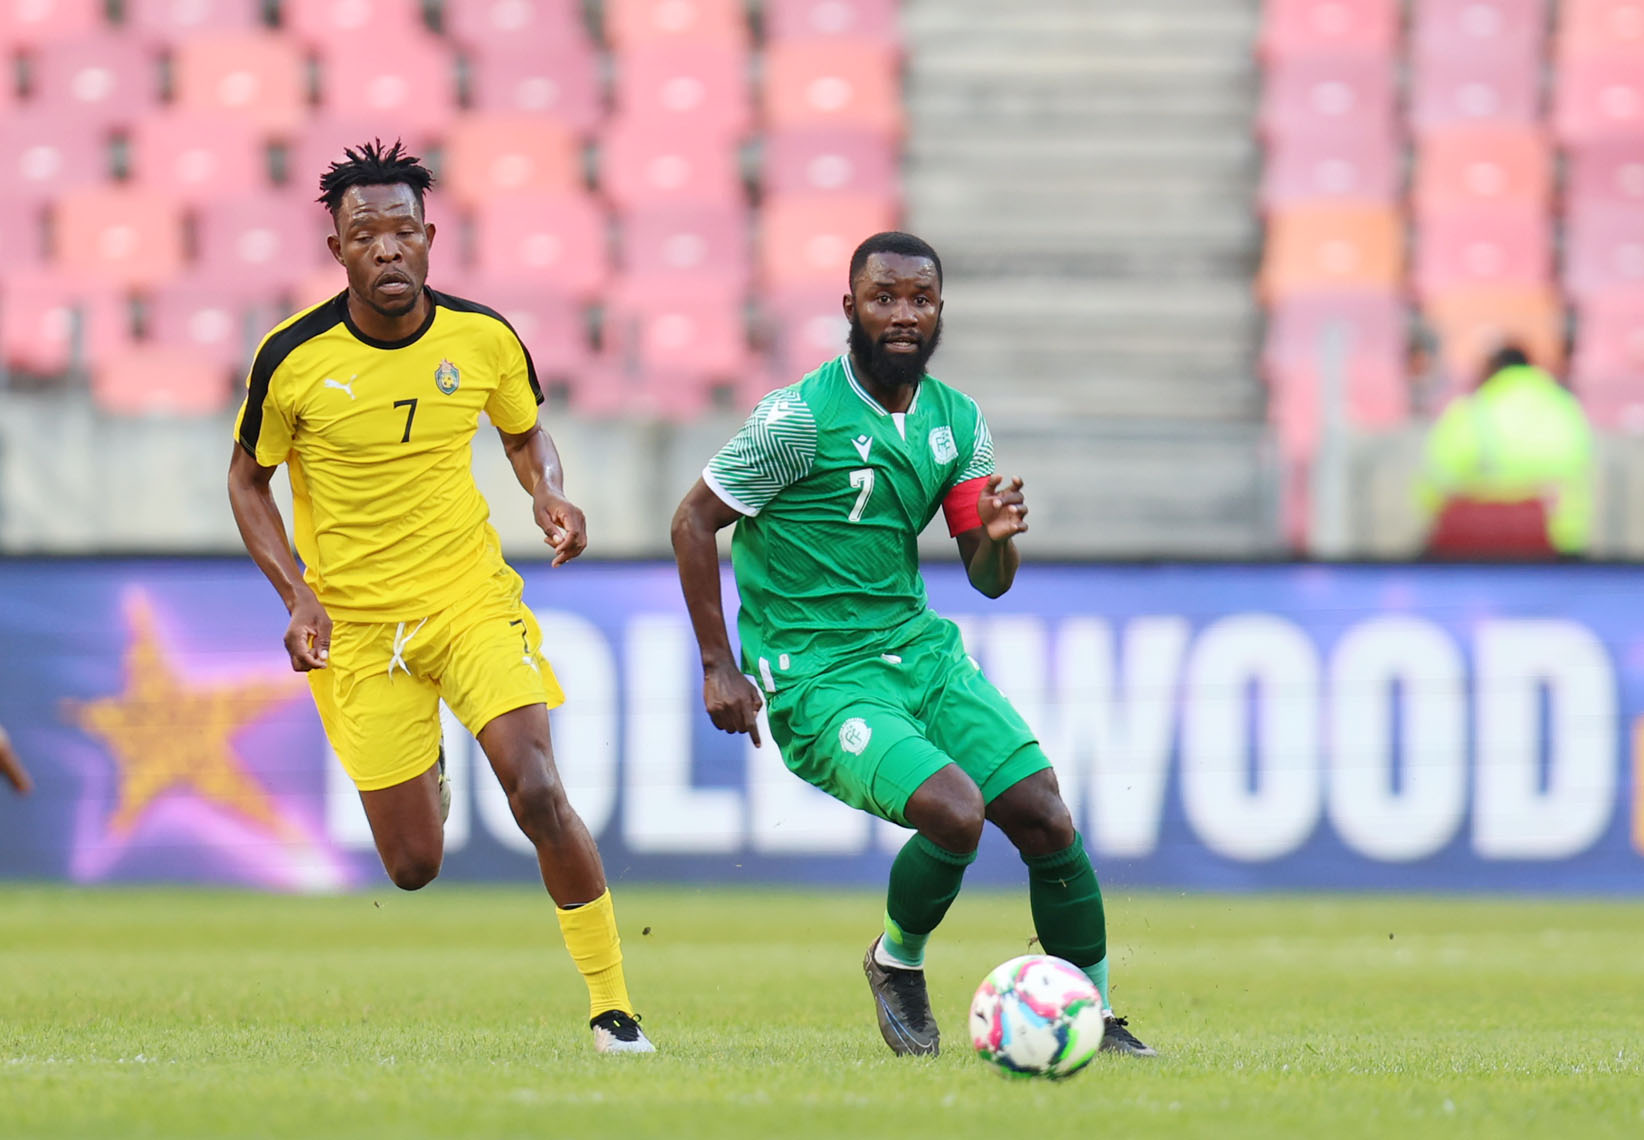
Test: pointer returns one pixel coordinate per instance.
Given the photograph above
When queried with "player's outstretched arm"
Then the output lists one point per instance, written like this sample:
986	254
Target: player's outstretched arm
308	637
732	701
989	554
11	768
537	467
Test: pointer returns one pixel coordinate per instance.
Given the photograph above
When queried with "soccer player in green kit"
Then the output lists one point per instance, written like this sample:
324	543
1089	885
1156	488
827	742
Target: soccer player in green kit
872	697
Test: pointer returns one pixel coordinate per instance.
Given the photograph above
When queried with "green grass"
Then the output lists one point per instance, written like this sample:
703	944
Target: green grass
455	1012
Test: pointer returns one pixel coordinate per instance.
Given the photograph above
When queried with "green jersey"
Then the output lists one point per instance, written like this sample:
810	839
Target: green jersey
834	491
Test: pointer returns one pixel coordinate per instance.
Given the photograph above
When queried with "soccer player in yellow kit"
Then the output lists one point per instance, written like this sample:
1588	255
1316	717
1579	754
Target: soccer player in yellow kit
372	399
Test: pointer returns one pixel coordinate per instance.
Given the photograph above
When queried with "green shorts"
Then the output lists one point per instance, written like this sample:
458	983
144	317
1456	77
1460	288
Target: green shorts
869	732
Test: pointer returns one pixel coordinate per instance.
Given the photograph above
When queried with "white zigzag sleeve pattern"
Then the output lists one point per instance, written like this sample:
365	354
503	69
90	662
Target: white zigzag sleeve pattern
981	453
774	449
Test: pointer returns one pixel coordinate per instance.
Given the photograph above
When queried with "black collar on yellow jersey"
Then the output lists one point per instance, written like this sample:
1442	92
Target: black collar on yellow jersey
428	322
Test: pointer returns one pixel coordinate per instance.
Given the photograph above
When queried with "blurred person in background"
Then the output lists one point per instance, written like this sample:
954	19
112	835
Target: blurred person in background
1516	452
372	399
11	768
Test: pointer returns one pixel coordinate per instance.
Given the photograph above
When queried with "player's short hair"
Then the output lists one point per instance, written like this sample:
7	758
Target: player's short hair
893	241
373	164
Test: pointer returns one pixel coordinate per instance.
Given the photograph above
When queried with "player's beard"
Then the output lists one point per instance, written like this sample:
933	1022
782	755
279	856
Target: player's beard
892	369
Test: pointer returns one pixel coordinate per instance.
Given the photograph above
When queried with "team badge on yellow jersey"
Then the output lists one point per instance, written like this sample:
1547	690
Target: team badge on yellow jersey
446	377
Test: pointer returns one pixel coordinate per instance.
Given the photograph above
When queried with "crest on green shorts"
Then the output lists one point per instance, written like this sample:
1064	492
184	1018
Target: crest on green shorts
446	377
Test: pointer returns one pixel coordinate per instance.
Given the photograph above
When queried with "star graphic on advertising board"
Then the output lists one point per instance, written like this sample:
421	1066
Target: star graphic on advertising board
166	734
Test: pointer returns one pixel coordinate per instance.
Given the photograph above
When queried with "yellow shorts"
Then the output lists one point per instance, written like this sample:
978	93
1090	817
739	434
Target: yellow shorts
379	696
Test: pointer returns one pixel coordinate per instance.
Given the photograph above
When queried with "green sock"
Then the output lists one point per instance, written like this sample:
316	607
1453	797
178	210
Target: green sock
924	881
1098	977
1067	910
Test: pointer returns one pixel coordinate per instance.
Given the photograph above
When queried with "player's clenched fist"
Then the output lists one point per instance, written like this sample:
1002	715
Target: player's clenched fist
1003	509
733	703
563	525
308	637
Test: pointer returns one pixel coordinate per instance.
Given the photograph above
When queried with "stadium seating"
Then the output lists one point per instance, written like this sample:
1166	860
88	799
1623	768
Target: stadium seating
509	153
629	22
120	236
1607	371
477	24
701	88
694	243
801	328
197	314
166	23
256	76
1604	250
830	161
22	235
557	239
1327	95
806	240
1589	27
832	84
1332	249
1609	172
52	322
196	157
1503	28
1468	90
409	80
260	243
165	380
103	80
42	22
321	24
1346	167
828	19
1472	324
1600	96
1495	246
1472	167
559	79
42	156
642	164
1329	27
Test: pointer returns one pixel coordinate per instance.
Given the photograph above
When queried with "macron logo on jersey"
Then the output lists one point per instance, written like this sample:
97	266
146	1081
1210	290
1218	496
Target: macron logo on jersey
780	410
864	444
348	387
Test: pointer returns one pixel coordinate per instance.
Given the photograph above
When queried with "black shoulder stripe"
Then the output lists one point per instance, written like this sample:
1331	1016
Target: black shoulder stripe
464	305
273	353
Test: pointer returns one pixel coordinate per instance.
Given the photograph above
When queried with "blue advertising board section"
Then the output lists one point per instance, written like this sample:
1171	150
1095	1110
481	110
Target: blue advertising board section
1224	727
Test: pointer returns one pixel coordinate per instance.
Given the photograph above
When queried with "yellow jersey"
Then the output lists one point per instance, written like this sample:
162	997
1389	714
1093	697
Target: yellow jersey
378	437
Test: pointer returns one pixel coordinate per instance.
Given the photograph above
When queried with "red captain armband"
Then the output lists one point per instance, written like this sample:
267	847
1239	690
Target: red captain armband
961	506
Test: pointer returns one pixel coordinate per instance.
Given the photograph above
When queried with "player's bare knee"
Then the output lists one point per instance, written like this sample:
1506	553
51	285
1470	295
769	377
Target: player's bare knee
542	810
954	823
414	871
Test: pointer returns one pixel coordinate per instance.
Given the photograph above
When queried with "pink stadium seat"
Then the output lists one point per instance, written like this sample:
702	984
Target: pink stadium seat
680	328
104	80
1373	328
161	380
1596	27
558	79
1293	28
691	243
1604	250
690	86
1610	172
1332	249
197	157
801	329
832	19
829	162
40	22
1345	167
477	24
1328	95
1514	29
640	165
1471	325
1472	90
257	76
198	314
262	243
410	81
509	153
807	240
321	23
553	240
22	235
42	156
1483	247
628	22
1609	346
550	323
51	321
163	23
849	84
119	235
1478	166
1601	97
1376	397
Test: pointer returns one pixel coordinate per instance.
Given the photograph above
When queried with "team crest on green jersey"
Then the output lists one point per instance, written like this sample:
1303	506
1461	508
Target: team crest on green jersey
446	377
942	445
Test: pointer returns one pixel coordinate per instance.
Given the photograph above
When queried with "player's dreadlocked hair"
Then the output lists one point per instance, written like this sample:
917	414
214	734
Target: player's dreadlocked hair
893	241
372	164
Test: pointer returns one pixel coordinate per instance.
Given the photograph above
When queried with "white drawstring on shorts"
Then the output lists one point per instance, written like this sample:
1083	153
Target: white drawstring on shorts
401	640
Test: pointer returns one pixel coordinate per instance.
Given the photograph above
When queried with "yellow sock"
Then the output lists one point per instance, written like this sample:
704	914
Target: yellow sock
591	936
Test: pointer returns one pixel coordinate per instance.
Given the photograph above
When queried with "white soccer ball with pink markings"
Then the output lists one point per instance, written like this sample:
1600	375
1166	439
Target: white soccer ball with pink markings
1036	1016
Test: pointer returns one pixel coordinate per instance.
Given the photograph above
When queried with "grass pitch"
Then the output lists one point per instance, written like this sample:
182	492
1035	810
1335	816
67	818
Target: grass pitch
455	1012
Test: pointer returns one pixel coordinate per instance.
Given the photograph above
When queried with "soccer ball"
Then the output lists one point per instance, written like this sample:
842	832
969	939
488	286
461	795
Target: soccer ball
1036	1016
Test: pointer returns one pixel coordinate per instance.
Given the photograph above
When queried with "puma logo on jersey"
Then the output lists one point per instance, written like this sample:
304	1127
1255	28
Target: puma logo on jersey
864	444
348	387
780	410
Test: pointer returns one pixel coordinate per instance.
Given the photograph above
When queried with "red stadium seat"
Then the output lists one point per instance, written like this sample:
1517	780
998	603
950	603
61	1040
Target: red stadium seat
1604	250
1601	98
1292	28
40	22
257	76
1504	28
808	240
510	154
1598	27
197	157
42	156
51	322
830	162
1471	325
162	380
119	235
628	22
832	19
692	243
802	329
103	80
478	24
559	79
1607	173
198	313
1461	168
265	242
847	84
1474	90
22	235
164	23
322	23
1469	528
1328	95
409	80
1496	247
555	240
640	165
694	87
1344	168
1332	249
